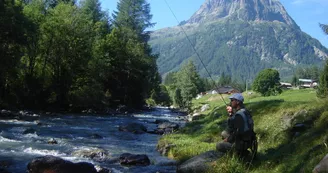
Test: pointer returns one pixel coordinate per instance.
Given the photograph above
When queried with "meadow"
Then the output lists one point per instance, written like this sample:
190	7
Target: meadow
291	131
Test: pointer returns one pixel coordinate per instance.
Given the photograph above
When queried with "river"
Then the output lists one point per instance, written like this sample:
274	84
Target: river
75	133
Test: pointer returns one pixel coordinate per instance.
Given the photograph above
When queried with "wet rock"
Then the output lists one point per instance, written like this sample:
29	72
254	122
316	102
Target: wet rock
52	141
134	128
5	163
29	131
134	159
6	113
159	121
96	136
52	164
167	127
102	170
96	154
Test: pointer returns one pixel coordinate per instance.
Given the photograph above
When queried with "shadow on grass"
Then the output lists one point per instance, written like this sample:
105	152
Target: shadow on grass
268	106
298	154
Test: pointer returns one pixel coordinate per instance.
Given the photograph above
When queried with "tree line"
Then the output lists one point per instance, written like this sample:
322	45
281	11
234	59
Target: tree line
68	55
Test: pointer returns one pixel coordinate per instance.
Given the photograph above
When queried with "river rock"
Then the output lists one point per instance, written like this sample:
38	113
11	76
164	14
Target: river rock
134	159
136	128
96	154
29	131
199	163
52	141
54	164
96	136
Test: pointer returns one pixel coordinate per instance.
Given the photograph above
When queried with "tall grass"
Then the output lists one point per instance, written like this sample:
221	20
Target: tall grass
280	148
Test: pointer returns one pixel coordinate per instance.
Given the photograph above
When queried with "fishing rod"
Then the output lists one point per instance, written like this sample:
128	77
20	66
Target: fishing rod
216	86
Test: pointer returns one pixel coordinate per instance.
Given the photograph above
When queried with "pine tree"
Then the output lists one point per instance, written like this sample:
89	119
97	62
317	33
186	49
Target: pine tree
323	81
134	15
189	83
135	66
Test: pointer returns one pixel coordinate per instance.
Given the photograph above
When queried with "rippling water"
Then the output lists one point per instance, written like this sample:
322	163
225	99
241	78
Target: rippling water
74	133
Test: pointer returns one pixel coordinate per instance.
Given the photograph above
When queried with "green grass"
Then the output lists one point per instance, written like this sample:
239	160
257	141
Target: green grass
279	149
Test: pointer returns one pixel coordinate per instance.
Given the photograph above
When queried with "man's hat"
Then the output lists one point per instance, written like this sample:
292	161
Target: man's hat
237	96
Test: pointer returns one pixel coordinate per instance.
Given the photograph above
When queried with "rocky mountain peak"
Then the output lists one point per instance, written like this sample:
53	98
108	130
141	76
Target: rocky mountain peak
246	10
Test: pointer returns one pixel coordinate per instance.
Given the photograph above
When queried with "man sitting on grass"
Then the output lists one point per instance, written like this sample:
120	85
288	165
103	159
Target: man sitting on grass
239	135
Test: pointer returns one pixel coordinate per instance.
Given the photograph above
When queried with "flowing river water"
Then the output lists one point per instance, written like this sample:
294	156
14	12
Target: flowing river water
75	132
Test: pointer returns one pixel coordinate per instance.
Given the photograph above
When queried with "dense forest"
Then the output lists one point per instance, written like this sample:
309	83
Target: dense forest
71	55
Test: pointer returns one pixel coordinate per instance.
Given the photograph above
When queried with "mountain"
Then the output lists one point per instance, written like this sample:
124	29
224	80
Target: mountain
239	38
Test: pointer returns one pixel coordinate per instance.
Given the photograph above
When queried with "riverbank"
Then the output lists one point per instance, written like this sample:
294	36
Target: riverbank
291	129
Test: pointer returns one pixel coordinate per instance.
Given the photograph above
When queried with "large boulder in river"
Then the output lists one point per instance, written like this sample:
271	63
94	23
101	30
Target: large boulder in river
134	159
133	127
52	164
199	163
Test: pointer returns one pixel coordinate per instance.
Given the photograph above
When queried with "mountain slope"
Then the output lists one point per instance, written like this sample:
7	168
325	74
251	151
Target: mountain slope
238	37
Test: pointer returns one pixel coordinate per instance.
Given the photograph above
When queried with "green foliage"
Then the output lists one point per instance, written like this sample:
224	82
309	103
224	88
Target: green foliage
267	82
135	15
224	79
324	28
323	82
170	78
161	96
311	72
12	41
294	80
66	43
189	84
58	55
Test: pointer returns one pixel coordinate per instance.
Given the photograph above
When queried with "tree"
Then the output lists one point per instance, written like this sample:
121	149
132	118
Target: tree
267	82
224	79
12	40
170	78
66	49
294	80
133	67
189	84
324	28
323	81
135	15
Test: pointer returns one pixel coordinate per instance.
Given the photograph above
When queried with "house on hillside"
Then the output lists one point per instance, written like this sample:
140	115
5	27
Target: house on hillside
285	85
307	83
227	90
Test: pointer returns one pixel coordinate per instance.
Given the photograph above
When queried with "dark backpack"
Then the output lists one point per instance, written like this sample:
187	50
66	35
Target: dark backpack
248	121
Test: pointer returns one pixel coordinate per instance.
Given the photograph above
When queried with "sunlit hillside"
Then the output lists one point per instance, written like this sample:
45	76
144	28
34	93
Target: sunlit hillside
291	130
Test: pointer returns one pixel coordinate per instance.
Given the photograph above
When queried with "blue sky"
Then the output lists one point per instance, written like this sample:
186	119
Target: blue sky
306	13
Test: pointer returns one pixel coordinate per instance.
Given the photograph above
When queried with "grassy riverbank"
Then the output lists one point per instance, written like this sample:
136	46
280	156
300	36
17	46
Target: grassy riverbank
281	148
